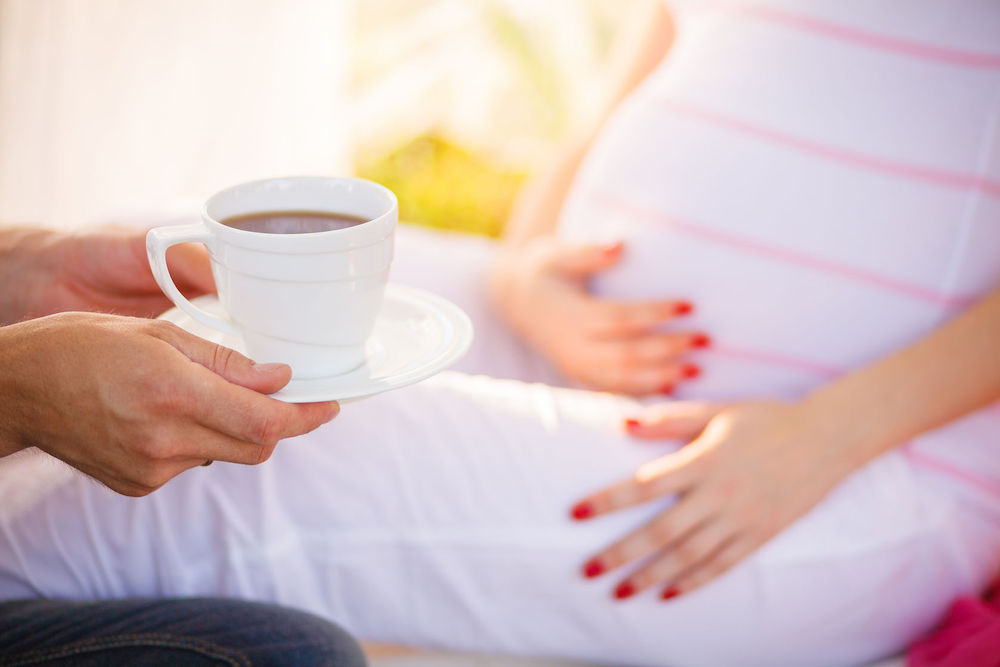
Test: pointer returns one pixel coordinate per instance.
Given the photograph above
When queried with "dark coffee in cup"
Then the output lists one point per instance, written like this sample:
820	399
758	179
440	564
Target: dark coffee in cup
292	222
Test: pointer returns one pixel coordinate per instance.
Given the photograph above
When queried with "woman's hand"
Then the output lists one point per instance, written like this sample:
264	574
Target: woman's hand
751	470
101	270
541	290
133	402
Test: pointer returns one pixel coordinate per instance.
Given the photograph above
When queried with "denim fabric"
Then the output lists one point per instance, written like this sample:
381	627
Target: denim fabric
183	632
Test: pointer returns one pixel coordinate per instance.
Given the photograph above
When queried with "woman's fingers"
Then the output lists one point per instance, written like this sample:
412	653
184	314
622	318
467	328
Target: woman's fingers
664	476
582	260
643	365
684	557
617	319
682	420
719	562
668	528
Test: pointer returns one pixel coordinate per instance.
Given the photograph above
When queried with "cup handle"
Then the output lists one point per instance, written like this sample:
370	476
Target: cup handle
158	240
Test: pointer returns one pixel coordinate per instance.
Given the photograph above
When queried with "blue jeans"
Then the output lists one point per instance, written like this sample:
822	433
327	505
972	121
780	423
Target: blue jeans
183	632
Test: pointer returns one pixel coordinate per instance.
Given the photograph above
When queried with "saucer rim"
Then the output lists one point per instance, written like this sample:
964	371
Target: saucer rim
298	391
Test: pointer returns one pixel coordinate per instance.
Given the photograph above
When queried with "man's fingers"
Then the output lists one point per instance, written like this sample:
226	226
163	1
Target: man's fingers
190	269
188	263
225	392
225	362
251	417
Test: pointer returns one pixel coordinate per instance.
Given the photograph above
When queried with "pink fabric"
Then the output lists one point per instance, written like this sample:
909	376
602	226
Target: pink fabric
968	637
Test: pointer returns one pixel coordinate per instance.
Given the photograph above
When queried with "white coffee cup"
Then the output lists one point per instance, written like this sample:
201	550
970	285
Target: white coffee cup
309	300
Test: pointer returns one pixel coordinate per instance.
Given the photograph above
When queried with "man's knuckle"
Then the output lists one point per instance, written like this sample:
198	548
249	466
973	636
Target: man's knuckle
147	449
166	397
266	430
167	331
262	454
222	357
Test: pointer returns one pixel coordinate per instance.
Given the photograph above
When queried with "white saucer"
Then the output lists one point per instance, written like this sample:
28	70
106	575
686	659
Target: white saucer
417	334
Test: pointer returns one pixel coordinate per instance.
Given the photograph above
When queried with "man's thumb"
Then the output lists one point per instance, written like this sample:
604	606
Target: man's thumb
233	366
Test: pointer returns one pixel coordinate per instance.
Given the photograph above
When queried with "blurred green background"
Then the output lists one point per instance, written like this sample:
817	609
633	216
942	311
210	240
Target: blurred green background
441	184
490	88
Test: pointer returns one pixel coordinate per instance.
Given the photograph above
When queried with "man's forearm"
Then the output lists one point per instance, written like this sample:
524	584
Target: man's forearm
943	376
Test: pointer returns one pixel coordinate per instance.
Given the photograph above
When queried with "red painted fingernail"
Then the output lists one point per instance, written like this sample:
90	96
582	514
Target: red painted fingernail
624	590
667	389
683	308
632	423
690	371
700	340
670	593
593	569
583	510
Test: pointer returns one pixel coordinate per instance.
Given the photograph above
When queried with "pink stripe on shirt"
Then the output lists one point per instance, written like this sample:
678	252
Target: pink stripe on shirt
873	40
770	358
945	468
940	177
640	212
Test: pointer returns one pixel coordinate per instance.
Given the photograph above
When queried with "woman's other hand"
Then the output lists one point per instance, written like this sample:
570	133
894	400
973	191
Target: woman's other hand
750	470
540	288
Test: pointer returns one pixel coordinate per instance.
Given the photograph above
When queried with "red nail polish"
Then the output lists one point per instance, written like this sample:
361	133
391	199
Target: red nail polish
667	389
700	340
593	569
583	510
683	308
690	371
670	593
631	424
624	590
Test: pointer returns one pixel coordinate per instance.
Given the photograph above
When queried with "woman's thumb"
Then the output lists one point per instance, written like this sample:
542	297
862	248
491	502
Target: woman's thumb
681	420
582	260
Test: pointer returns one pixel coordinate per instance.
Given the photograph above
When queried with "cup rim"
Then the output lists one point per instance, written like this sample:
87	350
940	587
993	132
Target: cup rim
366	233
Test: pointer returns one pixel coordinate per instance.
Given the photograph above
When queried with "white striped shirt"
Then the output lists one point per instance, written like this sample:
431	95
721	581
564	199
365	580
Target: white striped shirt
821	178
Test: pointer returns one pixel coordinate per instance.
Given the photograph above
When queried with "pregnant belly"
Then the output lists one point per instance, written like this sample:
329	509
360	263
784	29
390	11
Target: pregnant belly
778	328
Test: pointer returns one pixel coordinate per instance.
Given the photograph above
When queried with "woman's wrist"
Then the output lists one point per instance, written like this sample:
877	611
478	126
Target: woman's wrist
848	421
939	378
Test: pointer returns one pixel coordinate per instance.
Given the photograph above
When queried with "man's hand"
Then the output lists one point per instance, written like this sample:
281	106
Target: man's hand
134	402
541	290
103	270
